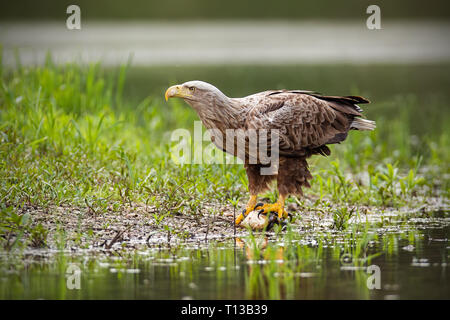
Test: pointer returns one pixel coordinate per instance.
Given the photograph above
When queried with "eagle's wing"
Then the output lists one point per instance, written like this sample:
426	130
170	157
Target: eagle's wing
305	120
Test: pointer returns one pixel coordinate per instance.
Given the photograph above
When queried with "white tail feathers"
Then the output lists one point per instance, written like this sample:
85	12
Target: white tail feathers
363	124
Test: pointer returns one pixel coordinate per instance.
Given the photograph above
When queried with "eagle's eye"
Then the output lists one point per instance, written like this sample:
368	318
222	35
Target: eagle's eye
192	89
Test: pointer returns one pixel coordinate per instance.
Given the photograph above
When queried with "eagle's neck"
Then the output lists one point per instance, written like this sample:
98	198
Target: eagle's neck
220	112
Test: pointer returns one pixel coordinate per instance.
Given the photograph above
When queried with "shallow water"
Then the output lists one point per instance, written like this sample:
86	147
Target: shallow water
226	42
411	257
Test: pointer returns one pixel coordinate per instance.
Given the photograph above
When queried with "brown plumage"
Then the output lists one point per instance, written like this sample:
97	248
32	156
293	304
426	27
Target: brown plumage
306	123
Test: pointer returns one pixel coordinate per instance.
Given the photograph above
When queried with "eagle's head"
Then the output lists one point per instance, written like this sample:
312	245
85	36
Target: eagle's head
214	108
197	94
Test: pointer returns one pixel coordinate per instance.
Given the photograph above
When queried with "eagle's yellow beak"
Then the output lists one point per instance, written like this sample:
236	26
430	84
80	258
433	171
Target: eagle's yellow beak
177	91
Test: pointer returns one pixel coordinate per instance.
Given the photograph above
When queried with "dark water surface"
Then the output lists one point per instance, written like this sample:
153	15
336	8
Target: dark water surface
411	260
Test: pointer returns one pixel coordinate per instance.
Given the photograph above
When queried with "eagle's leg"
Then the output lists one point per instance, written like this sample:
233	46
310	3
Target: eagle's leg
277	207
249	208
257	183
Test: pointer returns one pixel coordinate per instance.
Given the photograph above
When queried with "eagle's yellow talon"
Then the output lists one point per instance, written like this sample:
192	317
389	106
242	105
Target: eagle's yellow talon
280	215
242	216
277	207
251	205
274	207
239	219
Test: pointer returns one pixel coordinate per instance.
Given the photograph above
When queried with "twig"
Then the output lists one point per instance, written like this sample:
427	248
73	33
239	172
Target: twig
90	208
117	237
234	224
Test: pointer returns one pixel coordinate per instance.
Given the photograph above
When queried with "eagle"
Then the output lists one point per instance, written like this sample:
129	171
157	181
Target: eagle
305	123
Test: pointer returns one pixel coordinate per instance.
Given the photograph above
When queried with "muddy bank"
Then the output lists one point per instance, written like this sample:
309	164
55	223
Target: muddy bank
139	225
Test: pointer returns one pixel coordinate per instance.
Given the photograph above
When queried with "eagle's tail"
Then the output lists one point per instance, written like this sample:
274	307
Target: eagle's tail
363	124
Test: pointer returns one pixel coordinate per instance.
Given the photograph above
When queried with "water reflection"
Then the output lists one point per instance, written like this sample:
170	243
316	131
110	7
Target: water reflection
412	264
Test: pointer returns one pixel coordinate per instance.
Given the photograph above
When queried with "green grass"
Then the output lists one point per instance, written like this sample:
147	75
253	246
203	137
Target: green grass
70	135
